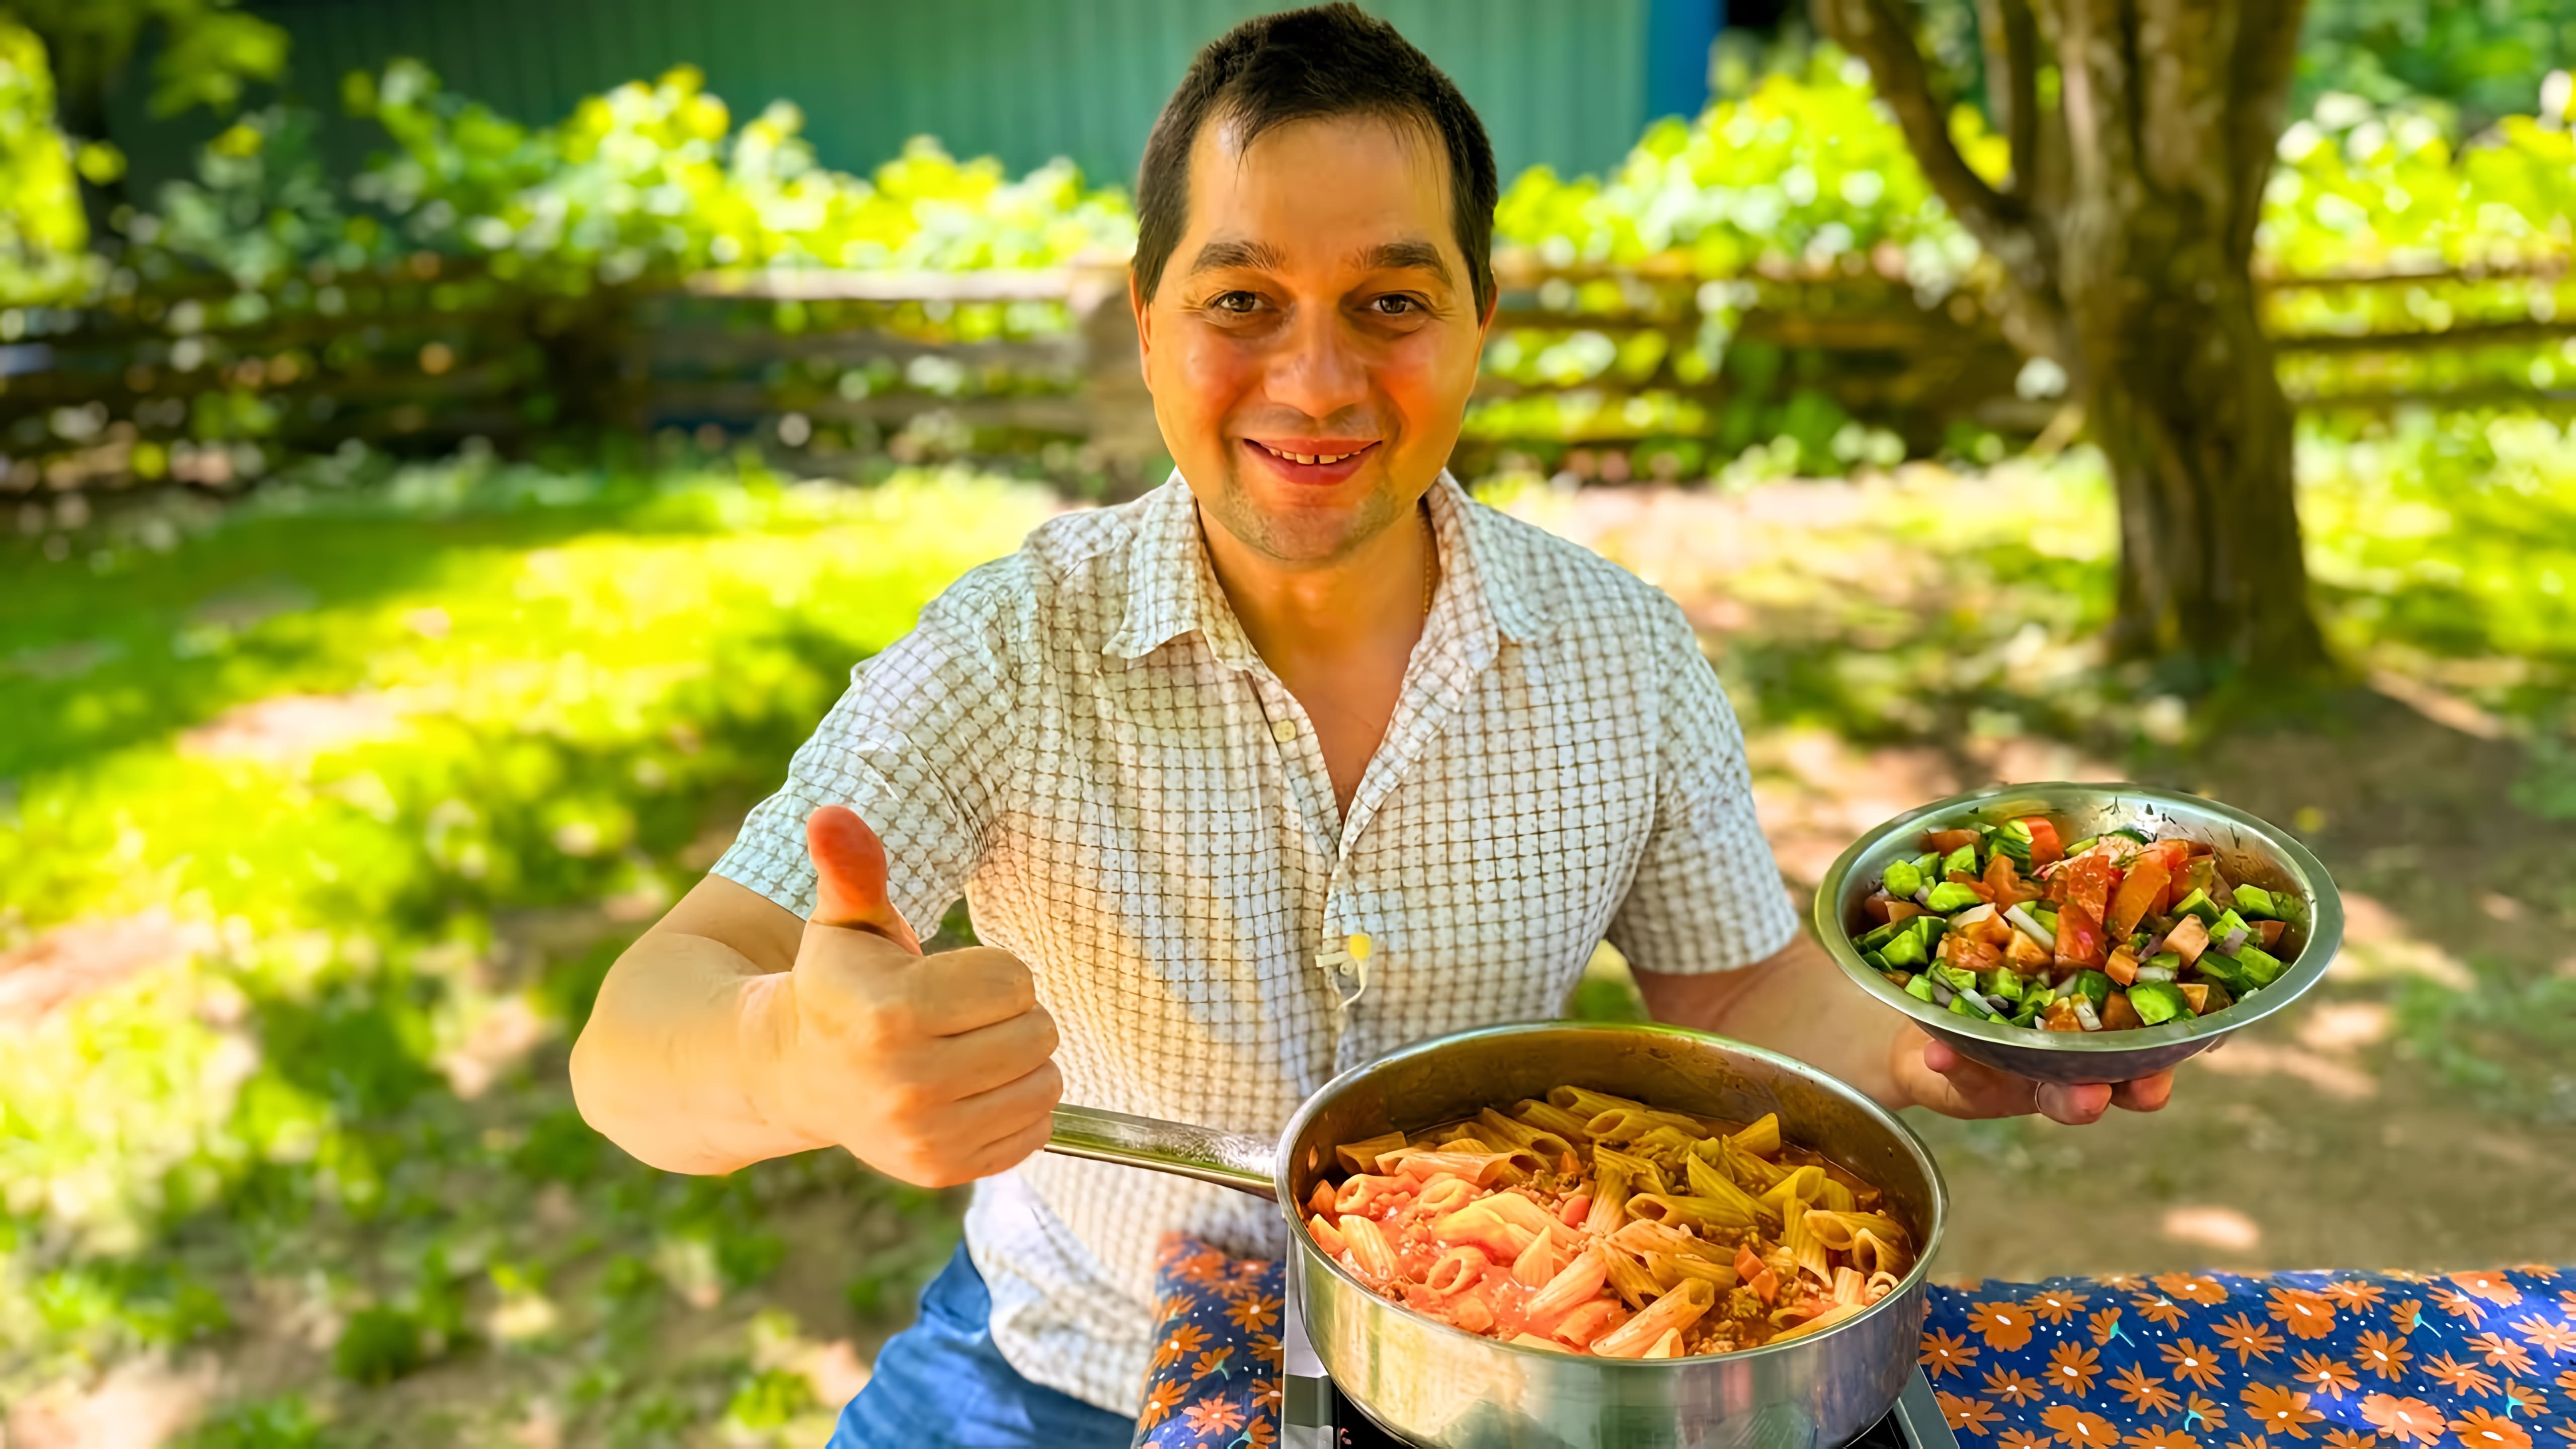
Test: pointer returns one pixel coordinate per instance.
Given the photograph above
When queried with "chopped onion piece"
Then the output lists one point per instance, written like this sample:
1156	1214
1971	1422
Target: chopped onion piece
2028	924
2155	973
1941	993
2085	1015
2233	943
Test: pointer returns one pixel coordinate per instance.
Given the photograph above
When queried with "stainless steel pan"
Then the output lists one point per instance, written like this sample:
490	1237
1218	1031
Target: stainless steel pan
1439	1386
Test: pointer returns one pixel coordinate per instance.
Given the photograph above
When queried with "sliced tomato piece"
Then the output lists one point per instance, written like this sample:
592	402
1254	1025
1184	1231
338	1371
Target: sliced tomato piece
2139	893
2006	882
2087	883
2080	941
2045	847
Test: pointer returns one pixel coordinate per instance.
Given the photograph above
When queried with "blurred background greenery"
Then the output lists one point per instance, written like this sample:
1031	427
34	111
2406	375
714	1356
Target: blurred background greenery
425	527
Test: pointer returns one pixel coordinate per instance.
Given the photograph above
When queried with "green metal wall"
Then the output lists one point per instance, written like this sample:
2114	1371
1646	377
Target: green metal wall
1563	82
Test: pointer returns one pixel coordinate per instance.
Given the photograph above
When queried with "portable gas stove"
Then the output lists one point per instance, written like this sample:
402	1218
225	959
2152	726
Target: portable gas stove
1316	1416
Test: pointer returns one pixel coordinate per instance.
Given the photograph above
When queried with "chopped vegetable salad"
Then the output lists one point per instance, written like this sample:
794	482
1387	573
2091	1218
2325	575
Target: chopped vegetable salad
2010	925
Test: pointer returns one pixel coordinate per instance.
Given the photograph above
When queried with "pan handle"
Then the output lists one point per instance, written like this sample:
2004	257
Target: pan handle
1227	1159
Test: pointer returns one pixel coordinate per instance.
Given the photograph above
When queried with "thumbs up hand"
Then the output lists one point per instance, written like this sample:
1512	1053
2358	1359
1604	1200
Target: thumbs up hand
933	1069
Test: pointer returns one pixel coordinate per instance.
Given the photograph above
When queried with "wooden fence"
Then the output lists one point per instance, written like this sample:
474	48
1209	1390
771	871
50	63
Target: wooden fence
213	388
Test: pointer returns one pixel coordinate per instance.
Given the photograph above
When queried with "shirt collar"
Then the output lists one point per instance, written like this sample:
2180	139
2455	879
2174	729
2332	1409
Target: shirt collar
1172	588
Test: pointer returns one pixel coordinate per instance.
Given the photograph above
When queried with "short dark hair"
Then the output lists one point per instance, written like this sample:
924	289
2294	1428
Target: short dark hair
1302	65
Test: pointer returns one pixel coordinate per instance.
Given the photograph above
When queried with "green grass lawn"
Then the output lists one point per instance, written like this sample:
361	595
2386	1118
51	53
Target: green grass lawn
347	797
397	775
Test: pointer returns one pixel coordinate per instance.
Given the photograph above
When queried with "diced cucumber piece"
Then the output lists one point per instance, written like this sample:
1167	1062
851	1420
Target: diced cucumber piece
1904	949
2013	842
1957	978
1962	860
2157	1002
1903	880
1920	986
2220	967
1965	1004
2198	904
1878	936
2228	921
1873	960
2004	983
2093	985
2262	968
2136	835
2257	904
1951	895
2081	846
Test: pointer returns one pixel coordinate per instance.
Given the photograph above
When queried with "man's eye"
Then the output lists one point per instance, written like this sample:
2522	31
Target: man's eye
1237	303
1395	305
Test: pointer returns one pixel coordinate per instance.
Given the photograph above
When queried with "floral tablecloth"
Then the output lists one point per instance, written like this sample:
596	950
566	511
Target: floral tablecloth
2316	1360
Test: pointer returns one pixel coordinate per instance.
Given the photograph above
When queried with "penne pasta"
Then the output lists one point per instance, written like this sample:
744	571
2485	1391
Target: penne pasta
1706	1181
1588	1102
1361	1156
1457	1270
1703	1213
1364	1242
1539	1140
1628	1277
1592	1223
1549	1117
1538	1262
1761	1137
1806	1253
1678	1309
1575	1284
1824	1320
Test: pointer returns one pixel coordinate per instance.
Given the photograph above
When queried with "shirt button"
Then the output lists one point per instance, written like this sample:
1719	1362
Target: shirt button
1358	945
1283	730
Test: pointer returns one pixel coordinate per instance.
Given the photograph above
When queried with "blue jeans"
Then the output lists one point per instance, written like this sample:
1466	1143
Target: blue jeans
941	1384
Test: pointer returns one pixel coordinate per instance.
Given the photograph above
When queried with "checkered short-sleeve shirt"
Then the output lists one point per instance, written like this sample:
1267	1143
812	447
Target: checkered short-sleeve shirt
1079	738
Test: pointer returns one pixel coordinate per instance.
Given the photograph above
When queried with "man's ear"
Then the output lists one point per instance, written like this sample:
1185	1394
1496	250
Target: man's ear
1144	311
1485	317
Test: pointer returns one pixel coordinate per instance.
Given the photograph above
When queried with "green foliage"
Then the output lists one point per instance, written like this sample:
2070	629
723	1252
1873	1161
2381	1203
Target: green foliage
210	51
283	1422
43	234
655	179
771	1400
2472	62
1806	169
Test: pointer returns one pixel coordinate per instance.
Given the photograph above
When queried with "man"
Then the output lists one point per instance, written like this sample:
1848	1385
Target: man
1299	758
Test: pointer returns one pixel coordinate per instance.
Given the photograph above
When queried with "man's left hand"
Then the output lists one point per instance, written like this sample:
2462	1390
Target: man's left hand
1935	1076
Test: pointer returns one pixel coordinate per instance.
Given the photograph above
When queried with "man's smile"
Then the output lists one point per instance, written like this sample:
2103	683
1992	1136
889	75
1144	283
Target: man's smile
1312	460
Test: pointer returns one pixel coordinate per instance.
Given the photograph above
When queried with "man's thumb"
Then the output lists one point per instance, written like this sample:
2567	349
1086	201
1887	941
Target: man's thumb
850	877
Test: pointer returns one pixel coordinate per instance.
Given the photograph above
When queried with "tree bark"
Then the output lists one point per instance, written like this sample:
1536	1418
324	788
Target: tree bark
2125	235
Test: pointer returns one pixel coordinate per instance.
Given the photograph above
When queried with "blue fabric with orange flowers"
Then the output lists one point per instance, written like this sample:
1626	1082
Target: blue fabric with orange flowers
2176	1361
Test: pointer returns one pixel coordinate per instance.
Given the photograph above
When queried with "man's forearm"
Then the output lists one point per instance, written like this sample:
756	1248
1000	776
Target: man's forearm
1794	1002
668	1066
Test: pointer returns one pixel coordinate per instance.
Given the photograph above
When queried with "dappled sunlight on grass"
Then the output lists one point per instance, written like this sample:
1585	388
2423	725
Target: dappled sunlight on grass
326	839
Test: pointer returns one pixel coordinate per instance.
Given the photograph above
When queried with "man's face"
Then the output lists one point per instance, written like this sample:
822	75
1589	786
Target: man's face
1317	307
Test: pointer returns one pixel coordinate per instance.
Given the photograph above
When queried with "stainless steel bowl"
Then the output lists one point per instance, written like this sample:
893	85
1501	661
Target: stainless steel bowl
1435	1385
2250	850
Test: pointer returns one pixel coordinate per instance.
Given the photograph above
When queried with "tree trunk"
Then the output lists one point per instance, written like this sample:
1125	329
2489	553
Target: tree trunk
2125	235
2181	395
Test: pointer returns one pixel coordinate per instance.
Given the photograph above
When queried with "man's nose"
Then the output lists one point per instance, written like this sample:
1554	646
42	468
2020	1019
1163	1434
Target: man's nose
1317	370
